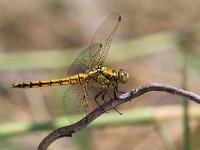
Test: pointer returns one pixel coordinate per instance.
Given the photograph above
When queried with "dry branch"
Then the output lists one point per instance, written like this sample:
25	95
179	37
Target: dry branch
67	131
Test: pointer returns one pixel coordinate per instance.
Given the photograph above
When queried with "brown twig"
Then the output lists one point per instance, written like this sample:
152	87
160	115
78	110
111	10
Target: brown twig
69	130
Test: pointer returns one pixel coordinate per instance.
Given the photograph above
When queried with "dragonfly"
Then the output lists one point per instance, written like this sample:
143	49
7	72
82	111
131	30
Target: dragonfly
87	79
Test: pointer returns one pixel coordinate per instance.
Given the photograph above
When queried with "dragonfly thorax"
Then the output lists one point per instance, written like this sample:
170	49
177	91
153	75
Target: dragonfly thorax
122	76
107	76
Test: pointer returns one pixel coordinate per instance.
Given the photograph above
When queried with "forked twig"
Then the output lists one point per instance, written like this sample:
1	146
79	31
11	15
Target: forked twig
67	131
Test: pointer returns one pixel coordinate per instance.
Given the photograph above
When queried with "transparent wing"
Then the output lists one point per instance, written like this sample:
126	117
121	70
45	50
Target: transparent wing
84	61
96	53
104	36
75	102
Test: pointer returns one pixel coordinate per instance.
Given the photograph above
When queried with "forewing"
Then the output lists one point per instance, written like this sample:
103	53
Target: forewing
75	102
104	36
96	53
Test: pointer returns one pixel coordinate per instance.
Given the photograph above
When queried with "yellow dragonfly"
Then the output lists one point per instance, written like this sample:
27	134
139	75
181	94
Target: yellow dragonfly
87	78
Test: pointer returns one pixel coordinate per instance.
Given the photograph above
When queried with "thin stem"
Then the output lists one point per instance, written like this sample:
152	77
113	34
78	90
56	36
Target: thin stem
185	44
185	103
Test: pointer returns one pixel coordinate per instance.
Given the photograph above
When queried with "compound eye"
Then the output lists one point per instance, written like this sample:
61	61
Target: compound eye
123	76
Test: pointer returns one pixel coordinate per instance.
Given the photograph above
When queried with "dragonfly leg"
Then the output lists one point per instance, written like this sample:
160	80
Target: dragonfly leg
103	93
95	98
117	90
103	97
115	93
112	99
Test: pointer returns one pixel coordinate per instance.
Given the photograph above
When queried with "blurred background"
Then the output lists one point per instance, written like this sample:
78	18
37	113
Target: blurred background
157	41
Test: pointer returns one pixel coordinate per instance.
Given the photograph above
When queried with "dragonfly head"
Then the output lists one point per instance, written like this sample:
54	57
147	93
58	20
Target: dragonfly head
122	76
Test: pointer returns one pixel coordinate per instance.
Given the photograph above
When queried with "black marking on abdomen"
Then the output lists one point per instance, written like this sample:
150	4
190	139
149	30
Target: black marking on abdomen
23	84
79	78
31	84
70	80
39	84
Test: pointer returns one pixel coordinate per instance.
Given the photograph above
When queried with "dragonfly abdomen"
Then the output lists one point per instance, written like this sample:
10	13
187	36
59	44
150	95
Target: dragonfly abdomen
76	79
